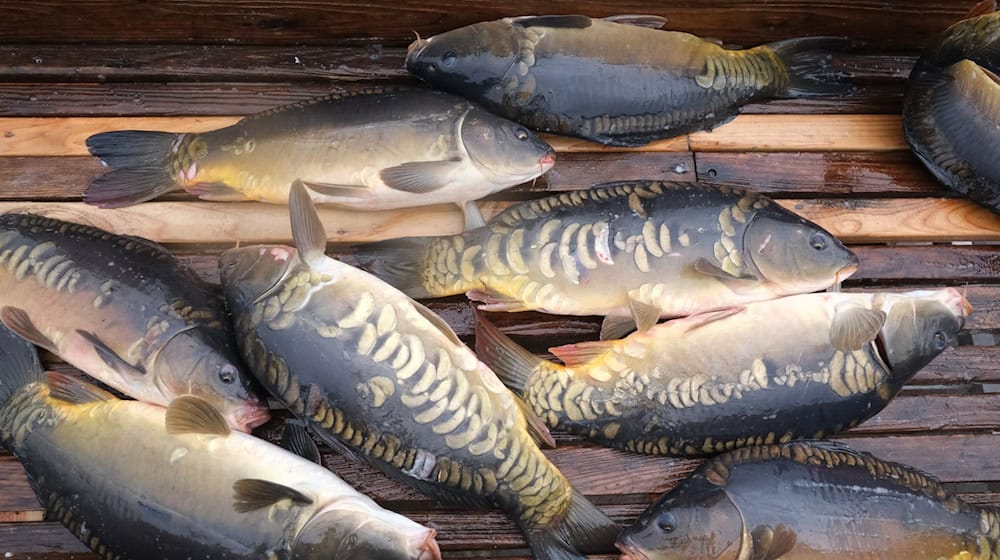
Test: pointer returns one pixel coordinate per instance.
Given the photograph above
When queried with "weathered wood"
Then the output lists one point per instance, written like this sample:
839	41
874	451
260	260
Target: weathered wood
745	22
64	136
939	262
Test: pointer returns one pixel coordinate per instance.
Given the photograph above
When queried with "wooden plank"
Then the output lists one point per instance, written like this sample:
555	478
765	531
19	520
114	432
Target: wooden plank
63	136
745	22
939	262
965	364
852	220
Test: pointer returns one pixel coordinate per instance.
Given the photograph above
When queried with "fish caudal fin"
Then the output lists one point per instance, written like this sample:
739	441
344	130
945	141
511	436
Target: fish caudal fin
808	63
513	364
19	364
141	169
399	263
584	530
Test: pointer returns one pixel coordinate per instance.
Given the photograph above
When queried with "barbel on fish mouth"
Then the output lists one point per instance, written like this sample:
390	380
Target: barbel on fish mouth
382	378
809	501
620	80
951	114
374	150
124	311
633	251
135	481
804	366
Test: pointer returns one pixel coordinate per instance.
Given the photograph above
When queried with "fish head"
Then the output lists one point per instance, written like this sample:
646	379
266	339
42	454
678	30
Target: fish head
695	521
504	152
919	325
469	61
794	255
249	274
364	533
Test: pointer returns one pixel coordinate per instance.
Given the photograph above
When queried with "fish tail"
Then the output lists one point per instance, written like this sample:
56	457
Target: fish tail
19	364
142	165
420	267
584	530
513	364
807	65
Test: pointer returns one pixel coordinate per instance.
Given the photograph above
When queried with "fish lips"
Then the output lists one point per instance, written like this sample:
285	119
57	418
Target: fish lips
629	550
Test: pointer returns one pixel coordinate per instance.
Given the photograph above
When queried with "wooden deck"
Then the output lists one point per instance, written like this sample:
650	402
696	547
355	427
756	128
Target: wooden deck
68	70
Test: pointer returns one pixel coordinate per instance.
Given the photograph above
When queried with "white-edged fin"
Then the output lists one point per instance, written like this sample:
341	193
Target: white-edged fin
652	22
473	217
192	415
343	191
536	427
251	494
297	440
437	321
19	323
75	390
582	352
854	326
109	356
419	176
307	229
693	322
644	315
613	328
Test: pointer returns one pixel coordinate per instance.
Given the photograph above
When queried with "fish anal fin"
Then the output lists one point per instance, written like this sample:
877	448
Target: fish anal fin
251	494
495	301
614	327
109	356
19	322
419	176
581	353
652	22
644	314
855	326
75	390
188	414
215	191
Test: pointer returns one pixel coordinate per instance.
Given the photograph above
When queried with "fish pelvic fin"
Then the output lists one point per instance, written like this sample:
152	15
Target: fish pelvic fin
513	364
807	65
585	530
307	229
409	265
19	364
142	166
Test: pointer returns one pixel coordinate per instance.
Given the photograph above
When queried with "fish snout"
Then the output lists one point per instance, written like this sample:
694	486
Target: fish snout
252	415
413	51
429	549
849	269
630	551
547	161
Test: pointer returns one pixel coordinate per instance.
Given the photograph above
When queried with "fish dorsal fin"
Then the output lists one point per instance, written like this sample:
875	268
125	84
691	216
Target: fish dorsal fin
644	314
418	177
536	427
296	439
772	544
854	326
982	8
437	321
613	328
192	415
75	390
581	353
19	322
652	22
699	320
555	22
251	494
307	229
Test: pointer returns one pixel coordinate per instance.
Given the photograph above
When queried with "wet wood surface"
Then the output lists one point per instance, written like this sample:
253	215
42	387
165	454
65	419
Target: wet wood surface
200	65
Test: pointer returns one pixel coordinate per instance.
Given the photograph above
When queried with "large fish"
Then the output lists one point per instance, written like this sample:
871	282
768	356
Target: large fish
951	114
371	151
801	366
124	311
136	481
617	83
811	501
379	376
633	251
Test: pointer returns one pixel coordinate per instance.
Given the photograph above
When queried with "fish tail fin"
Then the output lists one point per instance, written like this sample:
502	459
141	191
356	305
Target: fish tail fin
19	364
409	265
585	530
513	364
141	167
807	64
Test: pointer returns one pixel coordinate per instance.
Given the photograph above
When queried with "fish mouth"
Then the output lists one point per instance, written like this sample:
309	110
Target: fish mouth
429	550
546	162
630	551
252	416
413	50
846	272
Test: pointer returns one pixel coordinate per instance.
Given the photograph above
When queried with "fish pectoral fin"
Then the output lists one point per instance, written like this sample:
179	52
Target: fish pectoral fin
437	321
652	22
251	494
18	321
772	544
644	314
495	301
109	356
419	176
297	440
74	390
215	191
613	328
555	22
473	217
536	427
307	229
188	414
855	326
693	322
582	352
733	282
330	189
982	8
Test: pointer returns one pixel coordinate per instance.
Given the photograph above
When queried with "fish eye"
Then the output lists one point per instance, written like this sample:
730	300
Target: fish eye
940	341
449	59
227	374
522	134
818	241
666	522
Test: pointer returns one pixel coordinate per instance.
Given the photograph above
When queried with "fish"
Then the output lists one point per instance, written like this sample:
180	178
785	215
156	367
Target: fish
125	311
808	500
619	81
376	150
633	251
951	111
383	379
804	366
133	480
